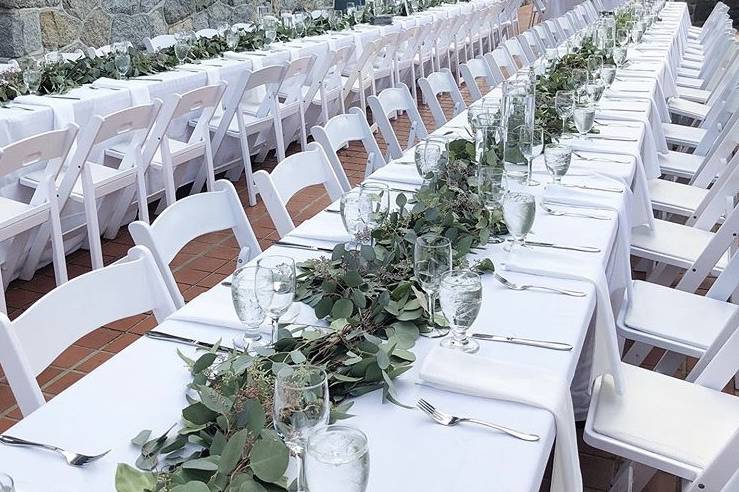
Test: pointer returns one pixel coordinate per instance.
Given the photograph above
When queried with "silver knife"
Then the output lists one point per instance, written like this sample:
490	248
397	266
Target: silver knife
288	244
583	249
594	188
524	341
614	138
158	335
59	96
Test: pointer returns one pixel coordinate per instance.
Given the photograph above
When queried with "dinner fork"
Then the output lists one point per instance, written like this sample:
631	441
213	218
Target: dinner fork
445	419
74	459
560	213
507	283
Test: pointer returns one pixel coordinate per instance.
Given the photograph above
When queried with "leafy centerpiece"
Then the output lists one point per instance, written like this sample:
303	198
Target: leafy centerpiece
376	311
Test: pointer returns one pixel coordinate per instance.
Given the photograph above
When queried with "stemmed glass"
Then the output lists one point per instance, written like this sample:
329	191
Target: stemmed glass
121	59
379	203
489	138
557	159
564	104
619	56
301	406
595	64
623	36
530	143
246	302
181	47
355	208
232	38
584	116
32	76
519	212
337	459
608	74
430	156
275	287
578	80
358	14
432	257
460	293
269	25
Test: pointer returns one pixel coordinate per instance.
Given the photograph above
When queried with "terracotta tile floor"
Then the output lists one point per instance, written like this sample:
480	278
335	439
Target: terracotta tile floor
201	265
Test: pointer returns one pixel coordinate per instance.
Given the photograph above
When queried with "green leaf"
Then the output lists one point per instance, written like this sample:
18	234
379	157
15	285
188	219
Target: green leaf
198	414
352	279
203	464
214	400
141	438
129	479
191	487
203	362
232	452
343	308
269	458
251	417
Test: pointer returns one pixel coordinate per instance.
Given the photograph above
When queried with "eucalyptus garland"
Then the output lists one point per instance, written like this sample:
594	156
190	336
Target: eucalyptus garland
376	311
60	77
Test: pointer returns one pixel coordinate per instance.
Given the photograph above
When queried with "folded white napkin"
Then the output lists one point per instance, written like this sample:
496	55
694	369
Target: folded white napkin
399	173
606	355
527	385
322	227
139	92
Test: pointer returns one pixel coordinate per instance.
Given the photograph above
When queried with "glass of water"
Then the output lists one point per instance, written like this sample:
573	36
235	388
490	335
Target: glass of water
269	24
608	74
430	156
6	483
460	293
121	59
275	287
557	159
519	212
232	38
595	64
32	77
355	208
249	310
337	460
379	202
301	406
564	104
432	258
584	116
531	144
181	49
619	56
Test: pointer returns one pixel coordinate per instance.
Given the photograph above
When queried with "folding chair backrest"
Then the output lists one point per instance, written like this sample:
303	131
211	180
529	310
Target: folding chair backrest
294	173
477	68
296	75
33	340
515	52
158	42
500	61
342	129
545	36
530	45
719	155
441	82
390	102
192	217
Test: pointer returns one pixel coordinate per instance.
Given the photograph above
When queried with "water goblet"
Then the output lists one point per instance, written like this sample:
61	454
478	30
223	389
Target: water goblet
379	203
337	460
358	14
519	212
269	24
595	91
584	116
32	76
619	56
608	74
622	37
6	483
595	64
636	33
355	209
460	294
432	257
430	156
181	50
121	59
578	79
557	158
275	287
301	406
564	104
531	144
232	38
246	303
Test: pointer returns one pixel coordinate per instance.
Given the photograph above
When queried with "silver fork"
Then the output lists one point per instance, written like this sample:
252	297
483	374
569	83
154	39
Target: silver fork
74	459
446	419
507	283
560	213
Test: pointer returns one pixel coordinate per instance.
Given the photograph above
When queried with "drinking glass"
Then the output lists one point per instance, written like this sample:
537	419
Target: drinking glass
551	54
608	74
531	144
337	460
6	483
460	293
595	64
564	104
619	56
232	38
595	91
121	59
355	208
181	50
275	287
299	23
430	156
584	116
519	212
432	257
623	36
491	186
246	302
578	79
301	406
358	14
636	33
489	140
32	77
269	24
379	203
483	106
557	158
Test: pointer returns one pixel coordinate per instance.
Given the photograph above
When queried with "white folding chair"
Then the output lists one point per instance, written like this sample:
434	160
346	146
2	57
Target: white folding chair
166	154
19	220
339	131
359	77
516	53
85	181
330	84
405	57
291	103
545	36
32	341
294	173
688	428
529	46
159	42
501	63
189	218
391	102
251	123
538	12
441	82
474	69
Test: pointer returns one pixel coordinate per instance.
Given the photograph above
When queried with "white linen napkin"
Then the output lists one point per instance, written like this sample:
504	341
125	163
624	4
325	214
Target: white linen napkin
139	92
399	173
606	355
322	227
527	385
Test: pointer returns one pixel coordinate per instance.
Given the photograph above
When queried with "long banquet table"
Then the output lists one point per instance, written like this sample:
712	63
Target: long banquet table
143	387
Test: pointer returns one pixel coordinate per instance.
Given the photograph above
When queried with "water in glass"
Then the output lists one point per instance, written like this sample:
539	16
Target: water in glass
337	460
460	294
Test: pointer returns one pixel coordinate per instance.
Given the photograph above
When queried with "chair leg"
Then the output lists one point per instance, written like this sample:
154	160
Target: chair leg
93	230
248	171
3	305
57	242
303	135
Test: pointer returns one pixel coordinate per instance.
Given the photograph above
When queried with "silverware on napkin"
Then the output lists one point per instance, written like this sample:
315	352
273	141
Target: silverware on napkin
59	96
584	157
611	189
614	138
524	341
158	335
583	249
445	419
288	244
561	213
74	459
513	286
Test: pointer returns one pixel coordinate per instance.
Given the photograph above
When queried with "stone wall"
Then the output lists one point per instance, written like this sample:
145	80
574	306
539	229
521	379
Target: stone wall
30	26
